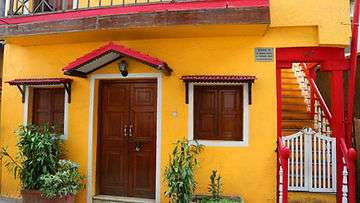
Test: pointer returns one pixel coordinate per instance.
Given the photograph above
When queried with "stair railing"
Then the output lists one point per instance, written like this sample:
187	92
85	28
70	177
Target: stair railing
348	173
315	102
284	154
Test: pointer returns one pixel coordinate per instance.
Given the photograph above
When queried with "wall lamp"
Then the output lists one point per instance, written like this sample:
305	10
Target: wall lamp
123	67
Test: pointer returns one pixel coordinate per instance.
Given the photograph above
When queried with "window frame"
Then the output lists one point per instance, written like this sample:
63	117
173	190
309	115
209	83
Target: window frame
219	143
27	106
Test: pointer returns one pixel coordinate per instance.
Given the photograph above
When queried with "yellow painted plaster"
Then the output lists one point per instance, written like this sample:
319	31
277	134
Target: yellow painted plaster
331	18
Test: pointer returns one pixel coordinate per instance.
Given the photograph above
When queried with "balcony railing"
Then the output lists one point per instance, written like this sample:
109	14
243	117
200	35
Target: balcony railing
28	7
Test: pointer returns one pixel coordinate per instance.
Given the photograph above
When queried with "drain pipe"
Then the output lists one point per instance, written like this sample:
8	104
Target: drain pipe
352	73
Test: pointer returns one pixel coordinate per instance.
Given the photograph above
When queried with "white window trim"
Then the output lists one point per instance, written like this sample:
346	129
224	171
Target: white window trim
75	4
64	136
219	143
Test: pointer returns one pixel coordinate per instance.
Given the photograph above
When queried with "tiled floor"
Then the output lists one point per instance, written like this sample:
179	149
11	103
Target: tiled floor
6	200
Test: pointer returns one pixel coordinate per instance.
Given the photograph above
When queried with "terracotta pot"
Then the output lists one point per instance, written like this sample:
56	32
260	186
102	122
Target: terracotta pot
34	196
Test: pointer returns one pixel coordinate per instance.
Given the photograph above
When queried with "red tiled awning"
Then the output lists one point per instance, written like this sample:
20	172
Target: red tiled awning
107	54
227	79
20	83
40	81
219	78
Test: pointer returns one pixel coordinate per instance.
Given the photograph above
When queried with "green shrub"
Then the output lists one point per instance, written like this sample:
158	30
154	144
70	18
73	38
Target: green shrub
221	201
179	174
39	150
215	186
65	182
38	165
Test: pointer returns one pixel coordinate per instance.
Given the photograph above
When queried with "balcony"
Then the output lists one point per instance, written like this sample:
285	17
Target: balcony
34	17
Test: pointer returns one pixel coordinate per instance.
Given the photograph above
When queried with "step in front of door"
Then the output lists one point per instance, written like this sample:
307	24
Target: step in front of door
116	199
311	197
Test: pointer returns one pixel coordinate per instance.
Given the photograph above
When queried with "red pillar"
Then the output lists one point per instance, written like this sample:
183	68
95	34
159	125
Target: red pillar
278	96
338	127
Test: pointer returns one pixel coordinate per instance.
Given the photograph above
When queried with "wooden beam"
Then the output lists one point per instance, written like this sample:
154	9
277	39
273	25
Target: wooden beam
240	16
75	73
22	91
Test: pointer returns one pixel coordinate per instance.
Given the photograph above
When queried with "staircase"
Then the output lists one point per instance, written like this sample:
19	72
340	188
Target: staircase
295	117
293	111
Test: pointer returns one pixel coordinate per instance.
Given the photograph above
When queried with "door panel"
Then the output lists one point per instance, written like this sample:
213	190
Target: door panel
127	163
205	122
113	159
143	141
48	107
230	116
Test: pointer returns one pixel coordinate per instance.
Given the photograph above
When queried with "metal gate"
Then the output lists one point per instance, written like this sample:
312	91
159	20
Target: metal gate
312	162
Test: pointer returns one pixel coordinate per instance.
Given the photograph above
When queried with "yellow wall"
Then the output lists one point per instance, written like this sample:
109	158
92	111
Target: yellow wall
188	50
246	171
331	18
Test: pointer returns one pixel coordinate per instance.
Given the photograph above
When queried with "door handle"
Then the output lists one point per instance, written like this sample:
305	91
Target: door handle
125	131
130	130
138	146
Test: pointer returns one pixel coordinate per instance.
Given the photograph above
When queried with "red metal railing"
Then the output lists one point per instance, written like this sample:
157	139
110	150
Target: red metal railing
349	187
283	154
317	94
318	108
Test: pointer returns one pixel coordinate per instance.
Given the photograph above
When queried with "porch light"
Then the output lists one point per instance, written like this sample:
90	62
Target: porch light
123	67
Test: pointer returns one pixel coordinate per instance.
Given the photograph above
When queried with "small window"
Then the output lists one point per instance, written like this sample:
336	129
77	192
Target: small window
48	107
218	113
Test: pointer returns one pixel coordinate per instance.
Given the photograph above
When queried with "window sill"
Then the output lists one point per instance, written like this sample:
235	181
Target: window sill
220	143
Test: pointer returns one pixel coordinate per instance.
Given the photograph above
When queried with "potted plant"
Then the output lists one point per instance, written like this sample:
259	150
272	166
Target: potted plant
179	174
63	185
37	159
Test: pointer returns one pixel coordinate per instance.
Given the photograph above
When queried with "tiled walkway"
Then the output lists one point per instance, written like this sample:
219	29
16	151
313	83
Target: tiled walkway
6	200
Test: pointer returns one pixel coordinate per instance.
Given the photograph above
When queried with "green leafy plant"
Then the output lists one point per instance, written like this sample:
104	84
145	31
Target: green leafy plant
65	182
39	150
215	186
179	174
221	201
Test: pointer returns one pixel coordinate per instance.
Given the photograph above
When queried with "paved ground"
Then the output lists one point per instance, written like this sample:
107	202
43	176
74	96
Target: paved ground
6	200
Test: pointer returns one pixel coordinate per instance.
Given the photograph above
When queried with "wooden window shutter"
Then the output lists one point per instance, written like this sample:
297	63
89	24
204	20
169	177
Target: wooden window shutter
48	107
218	112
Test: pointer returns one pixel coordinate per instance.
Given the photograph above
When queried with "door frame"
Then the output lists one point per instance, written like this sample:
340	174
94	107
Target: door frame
95	77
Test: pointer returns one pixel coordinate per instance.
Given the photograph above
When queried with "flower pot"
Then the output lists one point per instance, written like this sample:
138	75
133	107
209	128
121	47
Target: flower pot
31	196
34	196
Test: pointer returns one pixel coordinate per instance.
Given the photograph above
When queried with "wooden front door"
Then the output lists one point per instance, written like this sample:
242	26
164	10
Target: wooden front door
127	138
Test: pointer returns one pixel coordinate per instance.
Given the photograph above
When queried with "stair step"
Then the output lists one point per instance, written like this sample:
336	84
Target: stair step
290	93
289	82
290	86
287	74
311	197
286	132
294	98
293	106
289	79
291	124
287	70
302	115
116	199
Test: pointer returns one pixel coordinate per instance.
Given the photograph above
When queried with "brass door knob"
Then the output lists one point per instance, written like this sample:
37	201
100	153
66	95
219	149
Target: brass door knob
125	130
